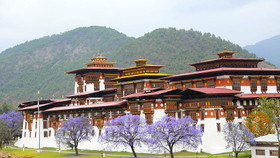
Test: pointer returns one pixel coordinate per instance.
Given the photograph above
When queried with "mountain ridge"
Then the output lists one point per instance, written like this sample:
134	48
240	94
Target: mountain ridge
40	64
268	48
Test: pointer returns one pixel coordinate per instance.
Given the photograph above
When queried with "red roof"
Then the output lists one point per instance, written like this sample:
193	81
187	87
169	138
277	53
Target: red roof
219	70
214	90
53	101
238	59
143	94
90	106
91	93
93	68
269	95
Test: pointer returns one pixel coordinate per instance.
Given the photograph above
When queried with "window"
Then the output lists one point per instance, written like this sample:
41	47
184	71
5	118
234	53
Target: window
217	114
264	85
29	134
218	127
45	124
188	85
36	125
236	84
202	127
50	132
24	134
210	84
202	115
45	133
199	84
273	152
239	113
260	152
253	85
253	102
278	84
35	134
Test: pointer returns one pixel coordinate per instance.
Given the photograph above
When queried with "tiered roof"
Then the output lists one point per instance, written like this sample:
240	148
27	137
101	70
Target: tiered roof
224	65
97	64
90	106
141	71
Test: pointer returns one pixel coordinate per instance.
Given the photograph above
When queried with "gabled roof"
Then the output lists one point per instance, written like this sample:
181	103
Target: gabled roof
51	102
226	59
156	93
248	96
90	69
90	106
214	90
272	138
141	76
206	92
93	94
223	70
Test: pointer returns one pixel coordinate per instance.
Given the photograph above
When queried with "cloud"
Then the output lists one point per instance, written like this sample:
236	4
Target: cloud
242	22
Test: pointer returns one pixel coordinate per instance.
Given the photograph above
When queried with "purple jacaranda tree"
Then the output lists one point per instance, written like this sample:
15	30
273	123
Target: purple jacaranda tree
238	137
4	133
168	132
74	130
128	130
13	121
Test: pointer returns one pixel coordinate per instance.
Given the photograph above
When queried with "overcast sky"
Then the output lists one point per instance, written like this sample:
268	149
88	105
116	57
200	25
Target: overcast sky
242	22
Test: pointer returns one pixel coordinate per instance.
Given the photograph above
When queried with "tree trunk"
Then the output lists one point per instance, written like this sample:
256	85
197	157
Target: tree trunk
76	149
132	148
171	153
236	155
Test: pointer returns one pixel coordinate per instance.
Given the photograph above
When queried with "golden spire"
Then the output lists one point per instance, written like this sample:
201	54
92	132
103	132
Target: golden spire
225	48
98	54
140	57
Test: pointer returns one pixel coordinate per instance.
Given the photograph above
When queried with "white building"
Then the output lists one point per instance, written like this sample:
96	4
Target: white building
220	90
266	147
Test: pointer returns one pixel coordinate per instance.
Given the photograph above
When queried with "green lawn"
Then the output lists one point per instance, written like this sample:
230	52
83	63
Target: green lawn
53	153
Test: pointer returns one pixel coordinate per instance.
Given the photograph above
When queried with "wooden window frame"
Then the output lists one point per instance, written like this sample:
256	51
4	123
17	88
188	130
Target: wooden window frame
219	127
260	152
254	85
202	128
273	152
217	114
264	85
45	133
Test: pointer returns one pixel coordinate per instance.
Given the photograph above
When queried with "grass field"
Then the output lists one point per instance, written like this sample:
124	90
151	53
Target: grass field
53	153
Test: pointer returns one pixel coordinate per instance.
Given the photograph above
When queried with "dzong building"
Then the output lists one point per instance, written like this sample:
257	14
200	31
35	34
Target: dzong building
220	90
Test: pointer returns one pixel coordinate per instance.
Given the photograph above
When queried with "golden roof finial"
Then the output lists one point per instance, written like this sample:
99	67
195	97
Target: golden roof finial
225	48
140	57
98	54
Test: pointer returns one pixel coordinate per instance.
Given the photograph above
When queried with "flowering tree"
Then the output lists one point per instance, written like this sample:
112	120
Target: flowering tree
74	130
13	122
259	123
169	132
271	107
128	130
4	133
238	137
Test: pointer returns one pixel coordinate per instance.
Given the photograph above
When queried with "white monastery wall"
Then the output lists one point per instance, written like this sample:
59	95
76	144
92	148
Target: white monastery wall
267	151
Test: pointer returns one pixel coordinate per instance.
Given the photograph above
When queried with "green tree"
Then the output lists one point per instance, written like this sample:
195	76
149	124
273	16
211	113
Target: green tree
4	133
271	108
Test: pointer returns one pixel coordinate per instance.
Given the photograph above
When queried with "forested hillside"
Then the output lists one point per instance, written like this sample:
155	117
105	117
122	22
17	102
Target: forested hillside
176	49
40	64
